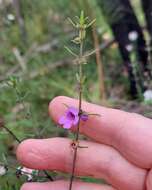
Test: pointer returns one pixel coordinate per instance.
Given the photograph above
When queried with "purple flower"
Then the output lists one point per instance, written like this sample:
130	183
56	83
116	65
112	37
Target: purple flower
71	118
84	117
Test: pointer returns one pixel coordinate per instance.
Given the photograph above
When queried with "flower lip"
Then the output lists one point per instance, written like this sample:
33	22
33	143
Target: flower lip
70	115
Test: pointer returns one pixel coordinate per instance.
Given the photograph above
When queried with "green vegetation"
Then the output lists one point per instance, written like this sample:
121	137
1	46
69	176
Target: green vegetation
34	56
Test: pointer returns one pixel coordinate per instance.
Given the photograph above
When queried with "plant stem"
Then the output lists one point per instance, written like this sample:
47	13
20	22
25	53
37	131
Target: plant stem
48	175
80	112
12	134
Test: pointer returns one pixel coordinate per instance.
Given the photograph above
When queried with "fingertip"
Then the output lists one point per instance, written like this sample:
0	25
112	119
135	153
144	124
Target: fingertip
57	108
22	148
27	153
42	154
55	105
56	101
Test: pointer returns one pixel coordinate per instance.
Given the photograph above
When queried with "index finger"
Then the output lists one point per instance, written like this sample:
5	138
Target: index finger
64	185
129	133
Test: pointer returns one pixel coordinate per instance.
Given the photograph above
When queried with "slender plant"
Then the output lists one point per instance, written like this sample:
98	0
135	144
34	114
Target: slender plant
74	116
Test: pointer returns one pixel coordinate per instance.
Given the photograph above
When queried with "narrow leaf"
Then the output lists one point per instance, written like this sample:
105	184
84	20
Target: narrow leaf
70	51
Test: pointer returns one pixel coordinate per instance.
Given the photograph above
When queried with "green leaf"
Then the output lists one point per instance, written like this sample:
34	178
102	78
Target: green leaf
70	51
91	23
77	77
71	21
83	79
76	40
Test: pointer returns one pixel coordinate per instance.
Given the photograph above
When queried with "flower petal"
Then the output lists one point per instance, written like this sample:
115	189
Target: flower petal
76	120
67	125
62	120
74	110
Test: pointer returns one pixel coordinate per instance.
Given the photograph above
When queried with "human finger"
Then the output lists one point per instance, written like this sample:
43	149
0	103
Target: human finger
63	185
97	160
129	133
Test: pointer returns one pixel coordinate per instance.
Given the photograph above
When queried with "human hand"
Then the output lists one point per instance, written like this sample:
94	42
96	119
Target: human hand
119	150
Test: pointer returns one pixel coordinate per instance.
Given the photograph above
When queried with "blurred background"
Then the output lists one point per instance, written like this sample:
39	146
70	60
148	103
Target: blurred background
35	67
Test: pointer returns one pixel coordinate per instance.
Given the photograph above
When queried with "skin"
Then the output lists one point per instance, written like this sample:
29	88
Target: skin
119	150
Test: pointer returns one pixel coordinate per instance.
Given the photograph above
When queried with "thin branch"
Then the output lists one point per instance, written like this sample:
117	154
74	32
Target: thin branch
48	175
101	48
2	125
20	59
99	66
81	31
20	20
99	63
12	134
